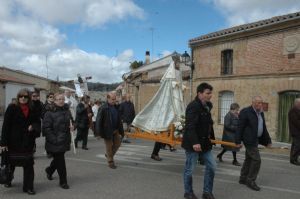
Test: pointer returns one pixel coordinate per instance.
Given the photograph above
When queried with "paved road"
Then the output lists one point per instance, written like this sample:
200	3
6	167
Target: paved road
138	176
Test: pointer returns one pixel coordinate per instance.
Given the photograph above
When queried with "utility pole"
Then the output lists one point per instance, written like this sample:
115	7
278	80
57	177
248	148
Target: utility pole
47	64
152	43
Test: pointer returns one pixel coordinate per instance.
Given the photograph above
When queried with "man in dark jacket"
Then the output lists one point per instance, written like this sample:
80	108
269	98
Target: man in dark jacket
252	131
294	127
196	139
127	115
82	122
38	107
109	126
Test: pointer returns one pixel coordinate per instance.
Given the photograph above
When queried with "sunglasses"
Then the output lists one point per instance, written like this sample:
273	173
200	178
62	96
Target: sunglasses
24	96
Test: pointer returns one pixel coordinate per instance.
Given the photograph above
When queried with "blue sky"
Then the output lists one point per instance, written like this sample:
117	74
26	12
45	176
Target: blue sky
172	24
100	38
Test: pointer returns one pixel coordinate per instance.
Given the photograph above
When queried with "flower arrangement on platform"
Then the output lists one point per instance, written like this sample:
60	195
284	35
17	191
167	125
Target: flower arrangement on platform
179	127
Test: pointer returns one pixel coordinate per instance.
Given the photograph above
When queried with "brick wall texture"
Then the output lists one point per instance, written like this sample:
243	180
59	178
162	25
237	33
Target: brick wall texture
260	67
255	55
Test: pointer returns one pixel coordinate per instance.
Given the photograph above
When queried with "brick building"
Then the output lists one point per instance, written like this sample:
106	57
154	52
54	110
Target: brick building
260	58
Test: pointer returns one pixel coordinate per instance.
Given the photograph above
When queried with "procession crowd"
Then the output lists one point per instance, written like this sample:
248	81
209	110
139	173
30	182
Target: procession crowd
27	118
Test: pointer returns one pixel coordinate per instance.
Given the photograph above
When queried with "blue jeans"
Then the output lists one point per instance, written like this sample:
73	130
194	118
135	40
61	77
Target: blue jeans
210	168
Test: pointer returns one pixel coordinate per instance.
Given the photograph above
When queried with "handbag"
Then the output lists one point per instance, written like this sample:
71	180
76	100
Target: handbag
4	168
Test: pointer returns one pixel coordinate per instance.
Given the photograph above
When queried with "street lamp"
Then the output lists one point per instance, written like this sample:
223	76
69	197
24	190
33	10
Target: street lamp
186	59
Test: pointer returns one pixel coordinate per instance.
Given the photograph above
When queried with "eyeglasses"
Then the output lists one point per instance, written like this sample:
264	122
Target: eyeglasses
24	96
50	97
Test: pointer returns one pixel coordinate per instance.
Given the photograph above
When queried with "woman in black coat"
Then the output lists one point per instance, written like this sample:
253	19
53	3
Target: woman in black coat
230	129
20	128
56	127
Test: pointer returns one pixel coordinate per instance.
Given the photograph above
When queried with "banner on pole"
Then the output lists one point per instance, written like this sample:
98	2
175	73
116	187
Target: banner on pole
81	86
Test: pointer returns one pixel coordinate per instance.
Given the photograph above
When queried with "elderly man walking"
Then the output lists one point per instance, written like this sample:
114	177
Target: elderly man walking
294	127
110	128
252	131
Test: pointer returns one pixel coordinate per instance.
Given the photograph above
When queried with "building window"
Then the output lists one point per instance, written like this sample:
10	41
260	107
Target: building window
226	62
225	100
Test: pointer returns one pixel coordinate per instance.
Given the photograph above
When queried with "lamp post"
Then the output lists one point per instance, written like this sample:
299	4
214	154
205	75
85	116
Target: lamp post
186	59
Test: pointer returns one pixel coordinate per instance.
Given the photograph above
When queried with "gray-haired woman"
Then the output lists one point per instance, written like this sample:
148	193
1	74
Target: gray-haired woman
229	132
57	126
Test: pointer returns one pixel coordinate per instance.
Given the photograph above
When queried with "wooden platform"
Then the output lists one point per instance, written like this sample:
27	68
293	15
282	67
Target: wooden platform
167	137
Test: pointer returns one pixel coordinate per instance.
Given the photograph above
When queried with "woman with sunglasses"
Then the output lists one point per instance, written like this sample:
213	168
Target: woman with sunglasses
19	130
49	101
57	125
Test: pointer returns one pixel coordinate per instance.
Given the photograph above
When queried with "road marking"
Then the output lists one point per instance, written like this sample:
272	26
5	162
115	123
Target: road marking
177	174
135	146
119	157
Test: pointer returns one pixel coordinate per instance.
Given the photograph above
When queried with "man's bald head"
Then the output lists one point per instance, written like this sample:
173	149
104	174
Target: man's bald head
257	103
297	103
111	98
127	97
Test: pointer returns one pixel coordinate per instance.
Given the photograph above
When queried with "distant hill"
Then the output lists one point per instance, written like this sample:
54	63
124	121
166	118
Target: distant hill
94	86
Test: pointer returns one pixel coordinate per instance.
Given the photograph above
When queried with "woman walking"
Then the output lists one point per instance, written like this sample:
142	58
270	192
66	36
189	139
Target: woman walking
56	127
229	132
20	128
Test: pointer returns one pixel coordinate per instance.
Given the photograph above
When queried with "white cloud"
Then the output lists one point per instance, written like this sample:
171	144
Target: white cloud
244	11
28	32
101	12
30	36
67	63
88	12
21	33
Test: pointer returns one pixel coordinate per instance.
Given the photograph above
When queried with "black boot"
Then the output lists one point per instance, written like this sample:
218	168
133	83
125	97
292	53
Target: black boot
220	157
48	173
85	148
236	163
